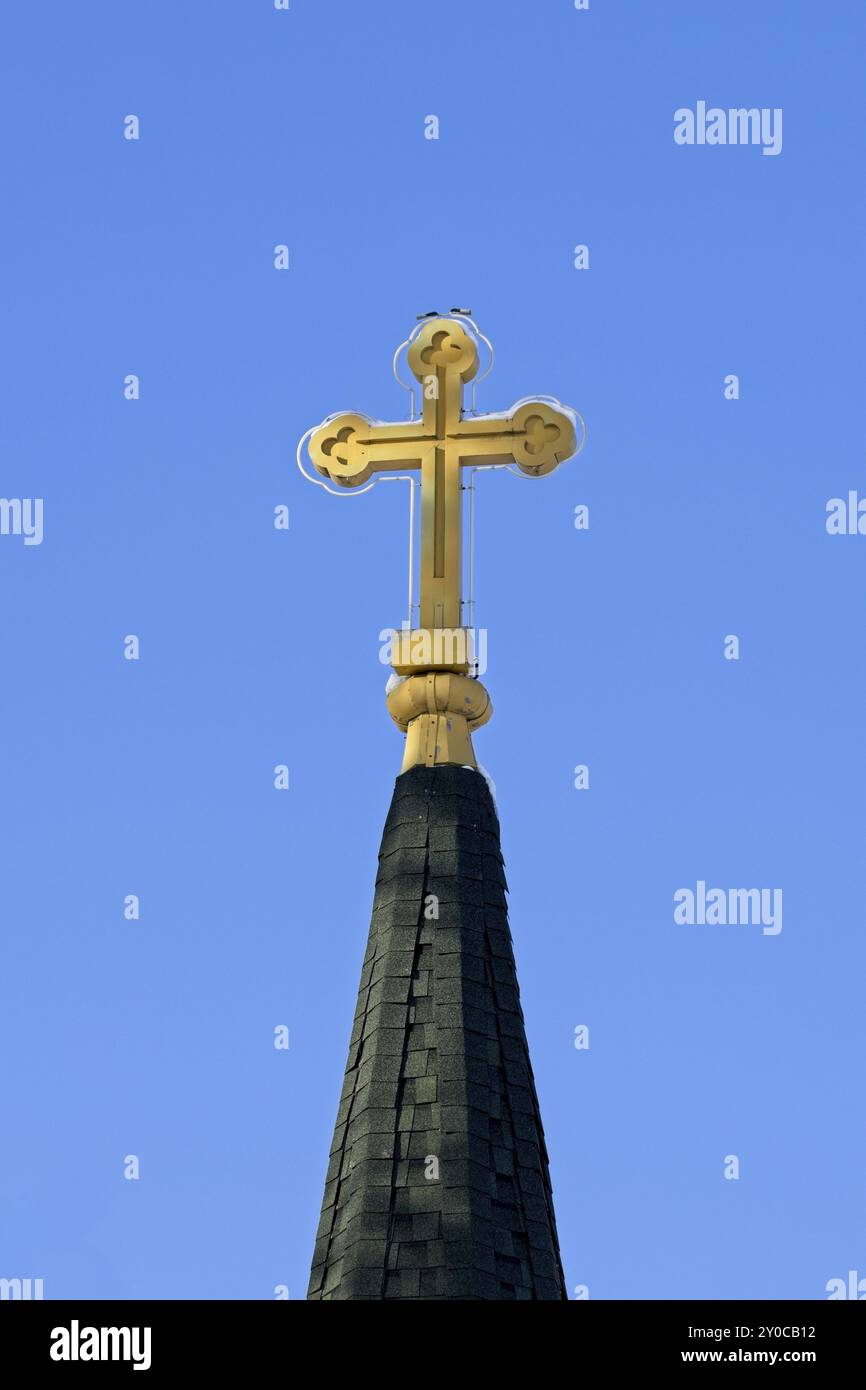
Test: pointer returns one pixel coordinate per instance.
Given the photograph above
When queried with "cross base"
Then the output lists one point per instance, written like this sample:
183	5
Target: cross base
438	711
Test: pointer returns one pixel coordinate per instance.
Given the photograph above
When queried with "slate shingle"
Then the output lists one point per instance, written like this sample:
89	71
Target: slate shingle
437	1185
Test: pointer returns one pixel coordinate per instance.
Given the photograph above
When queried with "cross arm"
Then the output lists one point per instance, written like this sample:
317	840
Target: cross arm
535	435
349	448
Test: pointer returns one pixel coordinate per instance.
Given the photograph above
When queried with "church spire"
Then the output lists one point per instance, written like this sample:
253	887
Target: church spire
437	1184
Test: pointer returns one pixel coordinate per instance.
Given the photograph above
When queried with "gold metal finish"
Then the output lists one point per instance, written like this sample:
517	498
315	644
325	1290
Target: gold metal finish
438	711
350	448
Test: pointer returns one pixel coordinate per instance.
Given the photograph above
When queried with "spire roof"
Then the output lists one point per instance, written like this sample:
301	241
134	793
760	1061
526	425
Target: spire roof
438	1185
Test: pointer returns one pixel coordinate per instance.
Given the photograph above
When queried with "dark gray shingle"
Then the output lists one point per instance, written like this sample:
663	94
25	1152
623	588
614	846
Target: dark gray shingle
438	1187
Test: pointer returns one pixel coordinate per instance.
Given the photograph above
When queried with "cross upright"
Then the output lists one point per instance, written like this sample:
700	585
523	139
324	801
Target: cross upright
350	448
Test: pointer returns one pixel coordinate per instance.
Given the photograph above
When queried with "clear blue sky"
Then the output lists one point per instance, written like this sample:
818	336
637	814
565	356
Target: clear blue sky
259	647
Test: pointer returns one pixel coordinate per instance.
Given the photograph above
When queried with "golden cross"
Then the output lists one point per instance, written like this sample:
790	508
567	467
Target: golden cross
350	448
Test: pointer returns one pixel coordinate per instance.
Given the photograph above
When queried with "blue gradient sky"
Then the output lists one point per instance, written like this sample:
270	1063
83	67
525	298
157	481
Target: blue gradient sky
258	647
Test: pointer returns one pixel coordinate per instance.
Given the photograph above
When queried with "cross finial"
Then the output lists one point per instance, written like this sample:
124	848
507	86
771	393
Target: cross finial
535	436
